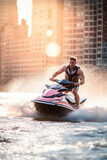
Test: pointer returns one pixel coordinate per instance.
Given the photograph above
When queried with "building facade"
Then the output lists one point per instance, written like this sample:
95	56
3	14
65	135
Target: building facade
47	15
73	29
18	58
8	12
78	26
84	28
104	39
8	15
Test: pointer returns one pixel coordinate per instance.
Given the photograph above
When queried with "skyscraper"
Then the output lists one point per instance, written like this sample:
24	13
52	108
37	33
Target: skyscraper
85	33
18	55
47	15
104	45
73	29
8	12
8	16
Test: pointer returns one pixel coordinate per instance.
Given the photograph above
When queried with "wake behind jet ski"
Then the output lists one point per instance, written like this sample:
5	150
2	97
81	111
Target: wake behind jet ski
55	101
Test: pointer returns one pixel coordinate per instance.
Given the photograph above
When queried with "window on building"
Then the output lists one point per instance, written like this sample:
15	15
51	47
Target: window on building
98	55
99	62
87	1
104	44
104	61
99	44
94	62
90	62
94	56
99	27
93	29
90	56
91	51
91	23
105	50
86	56
98	50
94	45
99	1
86	51
99	33
99	11
85	62
95	7
91	7
104	55
95	18
99	17
99	39
99	5
95	12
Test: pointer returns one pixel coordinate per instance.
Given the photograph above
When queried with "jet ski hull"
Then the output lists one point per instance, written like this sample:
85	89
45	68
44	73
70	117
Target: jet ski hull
51	109
54	101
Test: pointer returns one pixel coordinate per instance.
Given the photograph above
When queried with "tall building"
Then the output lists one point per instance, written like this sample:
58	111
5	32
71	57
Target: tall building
73	29
12	47
18	59
104	45
8	12
85	33
18	56
8	15
47	15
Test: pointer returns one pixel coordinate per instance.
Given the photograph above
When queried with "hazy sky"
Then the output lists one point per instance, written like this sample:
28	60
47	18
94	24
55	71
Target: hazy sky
25	11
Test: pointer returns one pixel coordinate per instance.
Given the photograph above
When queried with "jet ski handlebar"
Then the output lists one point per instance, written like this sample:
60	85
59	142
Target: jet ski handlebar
64	82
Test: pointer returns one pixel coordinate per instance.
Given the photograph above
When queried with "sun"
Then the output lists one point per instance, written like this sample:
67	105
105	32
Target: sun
53	49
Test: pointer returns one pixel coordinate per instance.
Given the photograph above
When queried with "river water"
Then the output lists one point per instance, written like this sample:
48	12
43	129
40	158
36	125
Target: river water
80	135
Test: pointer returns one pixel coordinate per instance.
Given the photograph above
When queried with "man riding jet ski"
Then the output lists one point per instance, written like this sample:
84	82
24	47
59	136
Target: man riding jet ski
74	74
55	101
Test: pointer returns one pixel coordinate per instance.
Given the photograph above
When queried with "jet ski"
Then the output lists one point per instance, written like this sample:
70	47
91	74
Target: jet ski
55	101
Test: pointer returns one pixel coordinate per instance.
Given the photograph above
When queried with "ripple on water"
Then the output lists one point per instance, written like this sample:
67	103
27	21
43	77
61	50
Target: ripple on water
6	140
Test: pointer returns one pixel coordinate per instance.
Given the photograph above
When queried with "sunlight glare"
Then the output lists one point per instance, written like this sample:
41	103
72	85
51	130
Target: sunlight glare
53	49
49	32
25	11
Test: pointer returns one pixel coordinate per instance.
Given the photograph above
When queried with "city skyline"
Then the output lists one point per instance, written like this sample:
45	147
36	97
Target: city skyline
77	28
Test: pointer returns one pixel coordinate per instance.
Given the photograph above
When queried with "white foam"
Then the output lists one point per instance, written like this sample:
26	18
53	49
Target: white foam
94	114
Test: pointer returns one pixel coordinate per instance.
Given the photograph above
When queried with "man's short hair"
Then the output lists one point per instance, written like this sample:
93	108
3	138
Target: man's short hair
73	58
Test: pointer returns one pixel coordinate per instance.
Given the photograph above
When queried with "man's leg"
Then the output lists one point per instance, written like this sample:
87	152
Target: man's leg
77	97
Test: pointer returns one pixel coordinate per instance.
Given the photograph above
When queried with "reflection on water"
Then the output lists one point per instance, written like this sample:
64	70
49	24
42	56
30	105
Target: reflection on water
22	137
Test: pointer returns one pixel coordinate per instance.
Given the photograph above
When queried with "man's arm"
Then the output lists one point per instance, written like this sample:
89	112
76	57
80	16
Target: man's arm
61	70
81	78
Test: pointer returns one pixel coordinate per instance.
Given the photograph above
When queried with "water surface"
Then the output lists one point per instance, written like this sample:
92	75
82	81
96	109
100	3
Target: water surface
80	135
